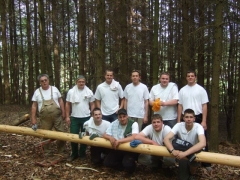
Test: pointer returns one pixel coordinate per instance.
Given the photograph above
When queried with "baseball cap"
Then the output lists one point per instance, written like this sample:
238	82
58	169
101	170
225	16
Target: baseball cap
122	111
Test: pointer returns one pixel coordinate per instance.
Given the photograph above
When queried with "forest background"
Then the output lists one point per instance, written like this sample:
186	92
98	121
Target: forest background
66	38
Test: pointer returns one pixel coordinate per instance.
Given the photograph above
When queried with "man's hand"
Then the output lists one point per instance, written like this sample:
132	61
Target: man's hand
68	121
154	143
204	125
181	155
112	141
34	127
175	153
63	115
145	119
116	144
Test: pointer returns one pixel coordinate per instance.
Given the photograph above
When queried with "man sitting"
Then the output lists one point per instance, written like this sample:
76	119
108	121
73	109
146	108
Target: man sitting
191	132
120	131
96	127
154	134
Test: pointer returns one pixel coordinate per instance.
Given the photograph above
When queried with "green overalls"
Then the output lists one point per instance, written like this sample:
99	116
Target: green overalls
51	117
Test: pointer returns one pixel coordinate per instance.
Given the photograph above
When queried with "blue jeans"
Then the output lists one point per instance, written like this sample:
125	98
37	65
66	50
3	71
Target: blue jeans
110	118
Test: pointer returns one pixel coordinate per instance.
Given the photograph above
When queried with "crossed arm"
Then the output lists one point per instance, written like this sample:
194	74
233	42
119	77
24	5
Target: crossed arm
115	143
180	154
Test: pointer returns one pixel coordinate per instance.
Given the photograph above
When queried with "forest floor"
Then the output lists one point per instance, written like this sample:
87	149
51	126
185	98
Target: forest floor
18	159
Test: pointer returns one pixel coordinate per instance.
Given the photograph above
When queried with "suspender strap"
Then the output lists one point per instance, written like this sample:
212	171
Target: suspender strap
42	94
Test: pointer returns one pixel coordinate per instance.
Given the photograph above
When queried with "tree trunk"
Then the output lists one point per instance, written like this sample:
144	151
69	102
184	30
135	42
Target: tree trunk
56	58
30	55
218	36
101	41
185	42
7	95
155	43
123	8
200	49
82	36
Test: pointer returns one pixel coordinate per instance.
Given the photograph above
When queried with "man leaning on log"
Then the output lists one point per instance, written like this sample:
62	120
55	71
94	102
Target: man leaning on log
192	133
121	130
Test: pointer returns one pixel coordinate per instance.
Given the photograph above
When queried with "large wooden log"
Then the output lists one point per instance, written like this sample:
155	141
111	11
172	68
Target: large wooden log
21	120
209	157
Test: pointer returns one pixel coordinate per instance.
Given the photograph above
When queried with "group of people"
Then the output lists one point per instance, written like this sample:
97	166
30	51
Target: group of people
118	116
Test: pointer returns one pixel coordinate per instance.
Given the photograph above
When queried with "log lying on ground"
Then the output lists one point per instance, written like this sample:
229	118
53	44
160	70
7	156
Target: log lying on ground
208	157
21	120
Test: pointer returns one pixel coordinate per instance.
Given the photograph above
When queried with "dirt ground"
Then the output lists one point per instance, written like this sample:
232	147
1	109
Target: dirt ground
19	157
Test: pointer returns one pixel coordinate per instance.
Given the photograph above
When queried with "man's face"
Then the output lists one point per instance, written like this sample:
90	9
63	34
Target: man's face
123	119
157	124
44	81
135	77
80	83
109	77
97	116
164	80
191	78
189	119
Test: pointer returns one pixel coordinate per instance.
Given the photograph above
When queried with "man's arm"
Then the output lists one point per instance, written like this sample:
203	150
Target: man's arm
204	116
67	108
98	103
141	137
92	106
61	106
109	138
171	102
145	119
200	145
33	112
150	102
121	103
125	103
124	140
180	108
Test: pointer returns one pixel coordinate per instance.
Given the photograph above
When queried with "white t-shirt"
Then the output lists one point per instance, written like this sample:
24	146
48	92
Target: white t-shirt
116	130
81	109
136	96
192	136
165	94
193	97
92	128
157	137
109	98
46	95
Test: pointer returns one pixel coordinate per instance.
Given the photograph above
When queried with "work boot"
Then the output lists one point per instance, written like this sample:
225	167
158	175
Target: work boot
71	158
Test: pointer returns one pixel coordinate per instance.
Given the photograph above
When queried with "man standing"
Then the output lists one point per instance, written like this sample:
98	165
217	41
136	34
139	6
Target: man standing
96	127
191	132
81	99
154	134
168	94
120	131
47	99
136	97
107	97
195	97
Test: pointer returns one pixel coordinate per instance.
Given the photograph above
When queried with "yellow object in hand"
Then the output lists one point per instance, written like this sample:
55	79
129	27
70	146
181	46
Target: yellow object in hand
156	105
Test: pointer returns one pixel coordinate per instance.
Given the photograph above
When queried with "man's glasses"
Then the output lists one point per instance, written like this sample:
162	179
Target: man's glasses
44	80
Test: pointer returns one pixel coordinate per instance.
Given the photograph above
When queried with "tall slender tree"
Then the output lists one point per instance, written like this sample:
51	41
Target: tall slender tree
218	36
7	95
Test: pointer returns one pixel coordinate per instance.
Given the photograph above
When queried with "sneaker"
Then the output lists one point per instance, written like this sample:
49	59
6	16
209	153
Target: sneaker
71	158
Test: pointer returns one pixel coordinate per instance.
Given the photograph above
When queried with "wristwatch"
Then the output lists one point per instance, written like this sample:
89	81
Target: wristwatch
170	151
